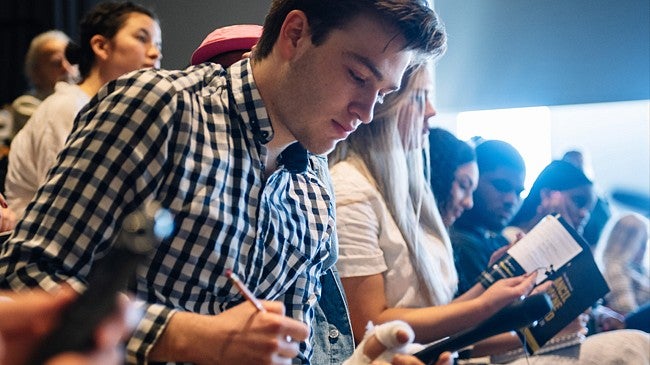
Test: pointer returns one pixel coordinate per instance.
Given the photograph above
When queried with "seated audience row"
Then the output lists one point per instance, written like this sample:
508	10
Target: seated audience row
396	260
236	154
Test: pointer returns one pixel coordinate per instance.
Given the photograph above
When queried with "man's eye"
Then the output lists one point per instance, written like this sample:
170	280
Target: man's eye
502	186
357	78
580	202
380	98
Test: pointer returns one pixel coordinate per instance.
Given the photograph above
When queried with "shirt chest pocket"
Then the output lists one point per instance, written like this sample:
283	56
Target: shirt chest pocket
294	228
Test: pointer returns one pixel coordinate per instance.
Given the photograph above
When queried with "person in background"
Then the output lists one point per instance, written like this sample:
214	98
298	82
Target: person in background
453	174
560	188
235	155
227	45
601	212
476	235
622	254
45	65
115	38
631	344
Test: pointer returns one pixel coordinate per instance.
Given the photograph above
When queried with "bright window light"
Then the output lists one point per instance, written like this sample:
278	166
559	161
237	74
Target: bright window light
526	129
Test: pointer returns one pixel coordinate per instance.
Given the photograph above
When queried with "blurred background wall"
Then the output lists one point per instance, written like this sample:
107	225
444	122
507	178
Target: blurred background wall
583	64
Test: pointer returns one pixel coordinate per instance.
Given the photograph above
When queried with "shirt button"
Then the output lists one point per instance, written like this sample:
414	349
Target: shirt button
334	333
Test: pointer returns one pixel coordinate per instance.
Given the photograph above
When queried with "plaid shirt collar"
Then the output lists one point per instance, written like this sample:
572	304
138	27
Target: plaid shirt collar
251	108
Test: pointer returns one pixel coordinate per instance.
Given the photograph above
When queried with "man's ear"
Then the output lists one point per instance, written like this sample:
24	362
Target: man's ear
100	46
294	34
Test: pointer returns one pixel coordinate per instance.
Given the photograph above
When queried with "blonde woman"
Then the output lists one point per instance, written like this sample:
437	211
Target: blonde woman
395	256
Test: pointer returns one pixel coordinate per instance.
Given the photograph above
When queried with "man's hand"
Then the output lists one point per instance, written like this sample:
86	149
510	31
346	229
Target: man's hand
240	335
496	255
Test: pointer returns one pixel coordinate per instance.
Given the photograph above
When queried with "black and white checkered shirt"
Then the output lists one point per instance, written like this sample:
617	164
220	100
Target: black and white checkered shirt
194	141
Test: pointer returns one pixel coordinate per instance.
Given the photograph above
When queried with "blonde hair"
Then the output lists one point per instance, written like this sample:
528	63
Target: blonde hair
377	151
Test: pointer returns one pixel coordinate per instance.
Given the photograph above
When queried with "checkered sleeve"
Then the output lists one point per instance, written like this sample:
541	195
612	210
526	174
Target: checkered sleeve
149	328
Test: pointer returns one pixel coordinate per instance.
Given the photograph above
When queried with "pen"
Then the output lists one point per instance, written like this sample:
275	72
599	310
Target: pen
244	290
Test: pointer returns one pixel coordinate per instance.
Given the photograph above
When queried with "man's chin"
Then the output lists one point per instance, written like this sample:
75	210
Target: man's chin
322	148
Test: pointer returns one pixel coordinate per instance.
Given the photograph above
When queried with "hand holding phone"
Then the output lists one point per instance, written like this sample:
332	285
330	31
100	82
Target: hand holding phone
138	236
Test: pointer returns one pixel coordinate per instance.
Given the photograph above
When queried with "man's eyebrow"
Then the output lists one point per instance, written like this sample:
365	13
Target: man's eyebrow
366	62
144	30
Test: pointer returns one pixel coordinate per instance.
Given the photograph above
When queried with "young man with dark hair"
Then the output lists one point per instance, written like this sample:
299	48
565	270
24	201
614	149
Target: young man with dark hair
235	155
477	233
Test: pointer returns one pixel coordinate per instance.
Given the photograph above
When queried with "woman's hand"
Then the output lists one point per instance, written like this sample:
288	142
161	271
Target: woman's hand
505	291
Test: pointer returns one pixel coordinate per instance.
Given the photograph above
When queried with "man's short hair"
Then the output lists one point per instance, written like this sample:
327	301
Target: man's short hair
493	154
414	19
36	48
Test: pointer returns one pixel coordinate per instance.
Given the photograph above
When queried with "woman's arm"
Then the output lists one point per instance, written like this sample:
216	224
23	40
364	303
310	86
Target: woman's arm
367	302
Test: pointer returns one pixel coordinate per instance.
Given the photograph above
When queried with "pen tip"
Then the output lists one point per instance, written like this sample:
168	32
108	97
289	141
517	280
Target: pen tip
228	272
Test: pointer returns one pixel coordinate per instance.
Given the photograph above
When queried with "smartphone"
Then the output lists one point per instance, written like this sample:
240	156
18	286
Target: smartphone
139	235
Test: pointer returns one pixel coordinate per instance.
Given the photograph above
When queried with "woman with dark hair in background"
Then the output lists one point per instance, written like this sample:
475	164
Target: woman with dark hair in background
560	188
454	174
115	38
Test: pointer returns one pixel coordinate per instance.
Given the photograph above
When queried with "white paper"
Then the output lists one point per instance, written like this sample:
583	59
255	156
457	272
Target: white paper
548	245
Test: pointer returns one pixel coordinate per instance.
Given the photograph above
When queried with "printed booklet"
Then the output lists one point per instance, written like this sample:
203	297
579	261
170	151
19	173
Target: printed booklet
558	253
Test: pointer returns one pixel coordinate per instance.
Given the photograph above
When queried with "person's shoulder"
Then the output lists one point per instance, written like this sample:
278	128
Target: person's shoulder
347	173
65	103
162	83
65	96
349	180
465	236
25	104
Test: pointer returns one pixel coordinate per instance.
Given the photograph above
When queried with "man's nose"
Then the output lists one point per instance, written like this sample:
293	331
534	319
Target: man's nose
363	108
